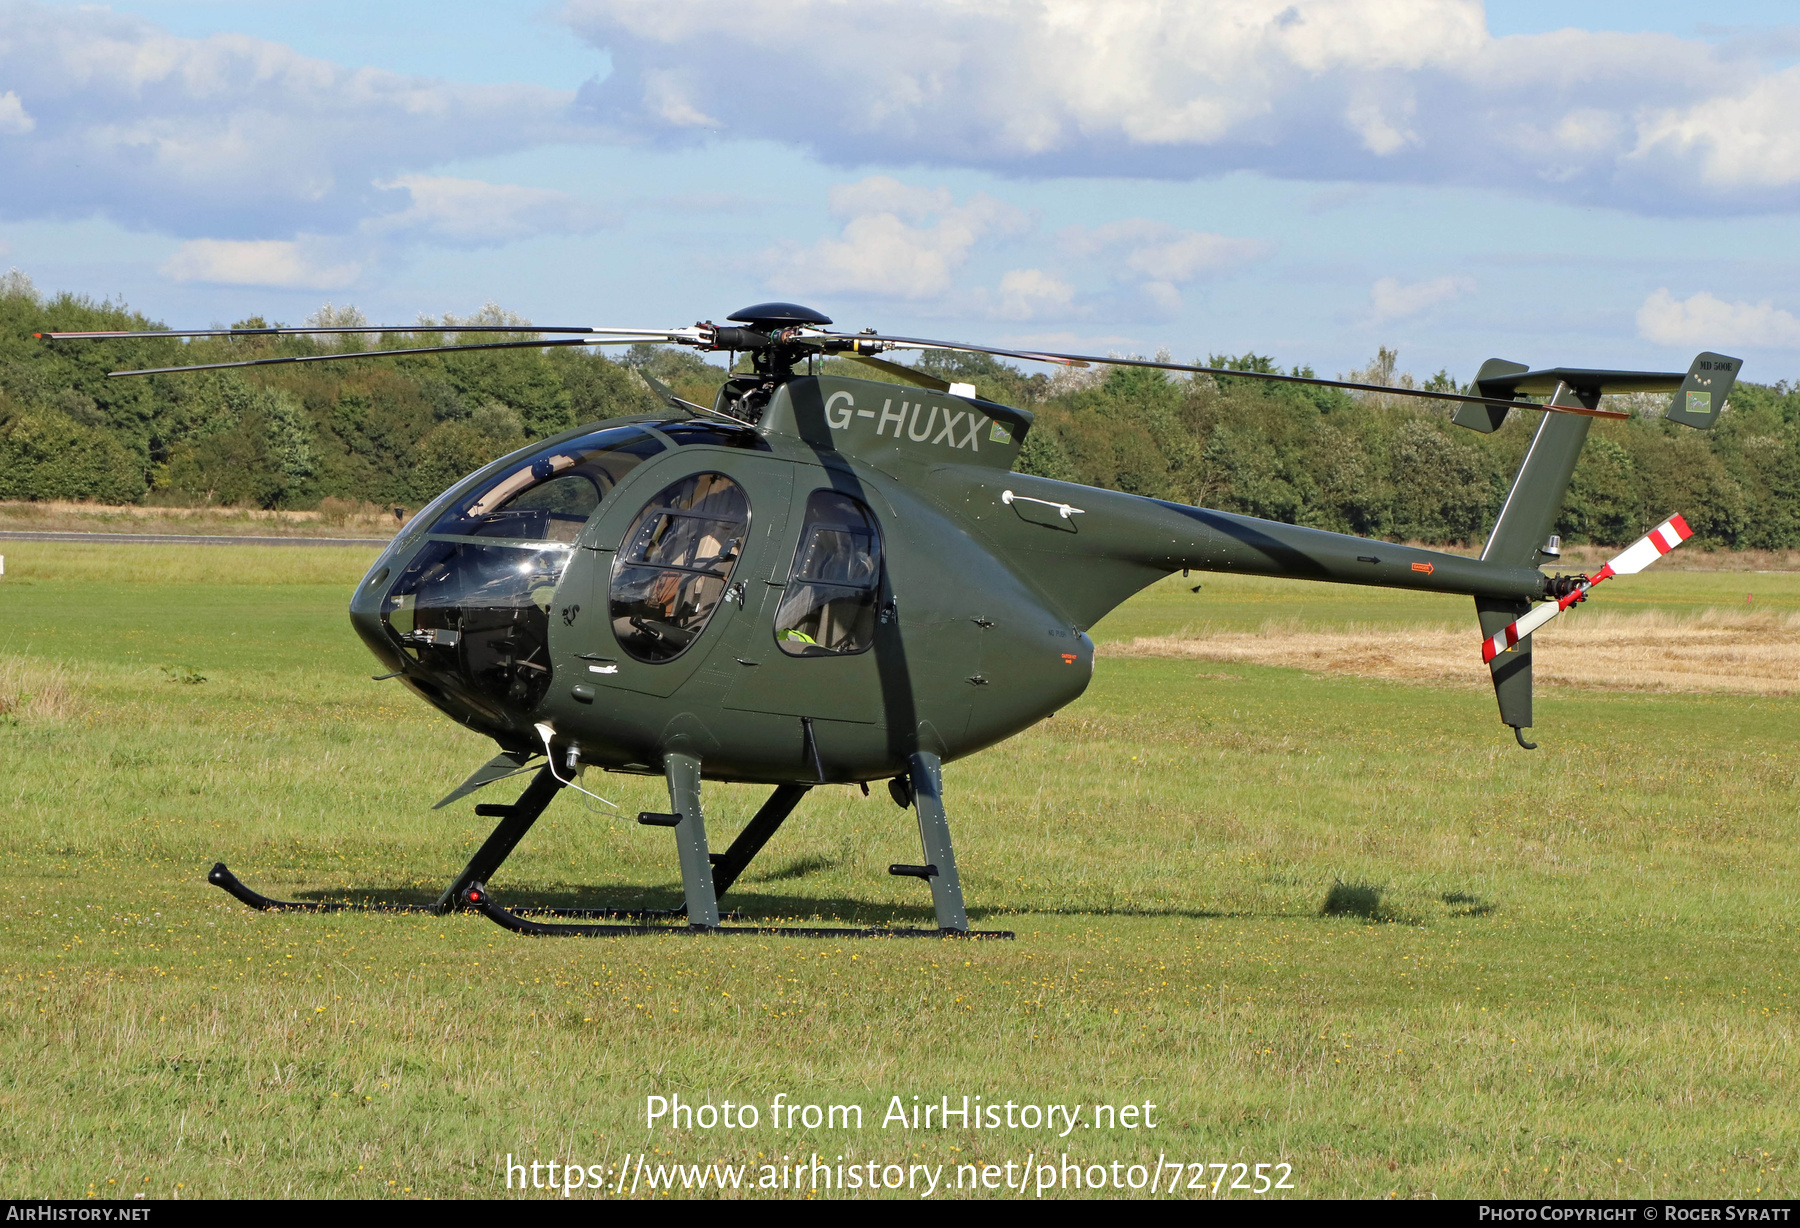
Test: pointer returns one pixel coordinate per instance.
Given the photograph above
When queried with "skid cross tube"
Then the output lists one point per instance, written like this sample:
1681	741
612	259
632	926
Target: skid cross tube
515	821
704	876
731	863
926	776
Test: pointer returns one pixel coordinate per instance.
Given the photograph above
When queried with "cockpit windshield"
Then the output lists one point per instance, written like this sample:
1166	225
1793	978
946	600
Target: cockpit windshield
551	495
473	607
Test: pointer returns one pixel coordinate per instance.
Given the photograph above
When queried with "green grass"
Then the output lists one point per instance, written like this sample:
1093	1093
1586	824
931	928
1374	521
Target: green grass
1340	924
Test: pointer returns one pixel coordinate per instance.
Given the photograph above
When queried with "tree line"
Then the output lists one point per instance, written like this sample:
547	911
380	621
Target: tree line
399	430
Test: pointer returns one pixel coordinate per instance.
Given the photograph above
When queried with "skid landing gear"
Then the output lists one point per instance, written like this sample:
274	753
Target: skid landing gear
515	821
704	875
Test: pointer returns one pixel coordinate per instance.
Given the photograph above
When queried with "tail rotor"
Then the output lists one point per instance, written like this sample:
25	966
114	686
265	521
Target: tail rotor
1639	555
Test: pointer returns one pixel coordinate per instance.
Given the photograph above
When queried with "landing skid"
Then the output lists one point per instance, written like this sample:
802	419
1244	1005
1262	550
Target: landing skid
704	876
222	877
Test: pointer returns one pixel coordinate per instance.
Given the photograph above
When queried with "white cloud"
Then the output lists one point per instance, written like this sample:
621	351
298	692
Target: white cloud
667	98
884	194
899	241
14	120
228	135
1704	320
474	211
258	262
1377	121
1343	90
441	209
1026	294
1391	300
1747	140
1158	257
1159	250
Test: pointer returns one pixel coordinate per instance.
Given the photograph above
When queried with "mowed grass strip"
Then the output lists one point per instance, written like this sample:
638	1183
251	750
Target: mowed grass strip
1745	652
1335	922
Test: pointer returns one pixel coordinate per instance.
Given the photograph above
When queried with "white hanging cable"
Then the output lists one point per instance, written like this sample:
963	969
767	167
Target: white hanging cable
546	733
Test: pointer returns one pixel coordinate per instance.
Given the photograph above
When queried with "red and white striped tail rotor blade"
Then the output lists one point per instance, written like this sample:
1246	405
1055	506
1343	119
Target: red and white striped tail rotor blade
1639	555
1647	549
1500	641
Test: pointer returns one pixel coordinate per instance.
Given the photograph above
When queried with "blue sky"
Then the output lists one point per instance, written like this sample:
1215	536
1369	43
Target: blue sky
1573	183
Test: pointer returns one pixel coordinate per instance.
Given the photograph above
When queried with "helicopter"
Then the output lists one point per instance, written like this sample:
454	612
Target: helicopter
820	579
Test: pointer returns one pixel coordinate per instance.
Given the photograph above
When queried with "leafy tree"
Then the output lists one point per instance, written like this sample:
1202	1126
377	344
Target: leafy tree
48	455
398	430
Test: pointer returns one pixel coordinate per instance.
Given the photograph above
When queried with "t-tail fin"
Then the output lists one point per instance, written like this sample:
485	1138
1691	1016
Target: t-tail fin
1521	535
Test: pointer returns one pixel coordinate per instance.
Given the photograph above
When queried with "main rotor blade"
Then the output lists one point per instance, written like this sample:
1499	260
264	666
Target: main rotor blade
900	371
429	349
1093	359
648	334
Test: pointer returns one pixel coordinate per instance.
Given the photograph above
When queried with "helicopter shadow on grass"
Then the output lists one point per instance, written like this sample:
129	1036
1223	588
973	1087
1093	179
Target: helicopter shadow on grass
750	898
750	902
747	901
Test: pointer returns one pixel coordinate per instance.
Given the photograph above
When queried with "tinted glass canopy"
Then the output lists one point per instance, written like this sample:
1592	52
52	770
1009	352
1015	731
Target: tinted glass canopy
472	608
550	495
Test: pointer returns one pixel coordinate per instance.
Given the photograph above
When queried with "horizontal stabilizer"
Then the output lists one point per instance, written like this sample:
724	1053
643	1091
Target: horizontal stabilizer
1581	380
1490	382
1700	391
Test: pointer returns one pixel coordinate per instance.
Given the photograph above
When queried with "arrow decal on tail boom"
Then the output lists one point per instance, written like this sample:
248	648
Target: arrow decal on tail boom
1645	551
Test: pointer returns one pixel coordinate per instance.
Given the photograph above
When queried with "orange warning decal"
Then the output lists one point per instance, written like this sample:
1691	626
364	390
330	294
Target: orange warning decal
1427	568
1068	658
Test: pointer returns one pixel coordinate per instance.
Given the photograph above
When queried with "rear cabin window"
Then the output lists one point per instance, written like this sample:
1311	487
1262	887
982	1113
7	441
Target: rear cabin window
674	564
828	605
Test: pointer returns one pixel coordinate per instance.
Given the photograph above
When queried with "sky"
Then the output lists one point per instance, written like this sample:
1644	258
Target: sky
1585	183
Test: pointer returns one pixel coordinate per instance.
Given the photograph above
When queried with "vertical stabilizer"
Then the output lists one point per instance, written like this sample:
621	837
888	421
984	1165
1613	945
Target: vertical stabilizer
1537	492
1520	533
1701	397
1488	418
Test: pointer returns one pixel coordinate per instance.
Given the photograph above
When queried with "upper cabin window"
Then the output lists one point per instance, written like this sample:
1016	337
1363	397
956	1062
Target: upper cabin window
828	605
719	434
549	496
674	564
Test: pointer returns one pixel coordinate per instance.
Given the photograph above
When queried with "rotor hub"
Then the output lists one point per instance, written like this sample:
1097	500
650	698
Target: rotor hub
773	317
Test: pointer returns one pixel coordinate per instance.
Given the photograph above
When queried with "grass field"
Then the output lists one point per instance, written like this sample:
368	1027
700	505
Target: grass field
1332	922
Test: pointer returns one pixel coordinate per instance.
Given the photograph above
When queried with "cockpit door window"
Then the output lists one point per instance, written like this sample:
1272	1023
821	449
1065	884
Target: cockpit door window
675	564
828	606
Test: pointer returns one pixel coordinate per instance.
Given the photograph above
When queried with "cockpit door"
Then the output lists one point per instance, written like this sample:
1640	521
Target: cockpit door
809	646
661	574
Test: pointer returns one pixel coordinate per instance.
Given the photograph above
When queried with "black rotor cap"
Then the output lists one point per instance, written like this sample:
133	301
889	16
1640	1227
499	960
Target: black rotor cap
778	315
